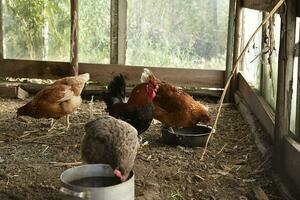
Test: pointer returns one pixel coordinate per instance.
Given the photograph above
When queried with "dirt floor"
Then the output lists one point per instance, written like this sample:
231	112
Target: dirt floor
232	168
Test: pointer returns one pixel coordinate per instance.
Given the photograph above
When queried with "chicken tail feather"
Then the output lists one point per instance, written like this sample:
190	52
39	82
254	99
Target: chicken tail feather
116	91
84	77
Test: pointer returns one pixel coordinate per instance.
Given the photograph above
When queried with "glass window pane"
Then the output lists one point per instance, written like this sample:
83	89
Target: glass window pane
270	78
251	66
38	30
295	79
174	33
94	31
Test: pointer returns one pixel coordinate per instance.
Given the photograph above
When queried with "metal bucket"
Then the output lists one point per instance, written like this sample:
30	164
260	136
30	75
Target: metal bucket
121	191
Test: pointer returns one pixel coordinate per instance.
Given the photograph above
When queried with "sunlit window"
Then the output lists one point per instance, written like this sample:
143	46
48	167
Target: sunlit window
271	71
174	33
37	30
94	31
251	66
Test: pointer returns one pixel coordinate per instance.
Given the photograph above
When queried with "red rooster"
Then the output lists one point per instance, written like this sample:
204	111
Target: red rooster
138	111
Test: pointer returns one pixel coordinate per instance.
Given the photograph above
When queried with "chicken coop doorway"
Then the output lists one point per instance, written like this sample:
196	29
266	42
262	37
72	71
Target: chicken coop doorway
194	46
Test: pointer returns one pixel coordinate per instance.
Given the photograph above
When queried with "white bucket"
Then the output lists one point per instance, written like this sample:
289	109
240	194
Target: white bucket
122	191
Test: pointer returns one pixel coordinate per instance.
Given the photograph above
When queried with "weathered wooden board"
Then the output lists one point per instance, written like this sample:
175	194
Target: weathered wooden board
105	72
262	5
257	105
12	90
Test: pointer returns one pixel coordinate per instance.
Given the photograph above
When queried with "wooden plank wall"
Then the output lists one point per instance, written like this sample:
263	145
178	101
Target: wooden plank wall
105	72
257	105
289	150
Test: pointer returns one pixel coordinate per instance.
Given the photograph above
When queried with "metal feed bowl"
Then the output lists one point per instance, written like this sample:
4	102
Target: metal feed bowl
193	136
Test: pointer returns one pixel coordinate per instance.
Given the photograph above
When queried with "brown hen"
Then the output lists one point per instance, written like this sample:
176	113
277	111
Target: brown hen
174	107
57	100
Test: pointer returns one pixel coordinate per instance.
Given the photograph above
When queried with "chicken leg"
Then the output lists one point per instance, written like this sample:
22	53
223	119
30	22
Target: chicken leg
67	121
53	121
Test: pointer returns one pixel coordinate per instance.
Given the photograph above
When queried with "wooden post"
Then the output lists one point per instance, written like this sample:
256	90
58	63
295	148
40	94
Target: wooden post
285	77
118	31
1	30
122	37
237	42
114	10
297	129
230	39
74	68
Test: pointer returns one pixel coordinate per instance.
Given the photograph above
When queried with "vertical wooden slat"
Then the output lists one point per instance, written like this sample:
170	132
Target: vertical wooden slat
230	39
285	77
74	68
114	29
118	31
237	42
1	30
122	31
297	130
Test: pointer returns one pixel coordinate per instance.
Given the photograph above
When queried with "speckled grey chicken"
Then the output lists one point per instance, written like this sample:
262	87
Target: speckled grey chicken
111	141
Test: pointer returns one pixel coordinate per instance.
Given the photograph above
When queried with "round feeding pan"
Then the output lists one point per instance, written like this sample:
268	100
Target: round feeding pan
193	136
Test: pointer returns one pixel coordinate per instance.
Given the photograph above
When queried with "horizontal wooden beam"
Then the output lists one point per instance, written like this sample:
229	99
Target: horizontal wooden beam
257	104
105	72
95	90
262	5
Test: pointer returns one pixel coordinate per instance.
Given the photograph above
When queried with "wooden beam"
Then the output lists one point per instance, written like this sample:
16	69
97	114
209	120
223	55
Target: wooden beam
114	24
237	44
122	32
90	90
285	77
12	90
105	72
257	105
262	5
74	38
230	41
118	31
1	30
